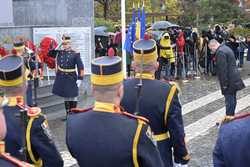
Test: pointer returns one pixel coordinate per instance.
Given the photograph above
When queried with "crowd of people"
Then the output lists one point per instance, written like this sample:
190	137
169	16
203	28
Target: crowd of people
134	122
184	52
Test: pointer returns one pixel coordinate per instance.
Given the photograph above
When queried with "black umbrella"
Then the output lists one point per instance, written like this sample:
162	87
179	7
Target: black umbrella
101	31
163	25
101	28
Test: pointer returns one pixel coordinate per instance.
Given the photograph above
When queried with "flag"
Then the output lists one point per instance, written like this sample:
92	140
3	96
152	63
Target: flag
138	24
143	23
130	36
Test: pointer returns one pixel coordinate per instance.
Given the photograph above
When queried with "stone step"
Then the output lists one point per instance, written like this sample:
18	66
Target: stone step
48	97
53	106
45	88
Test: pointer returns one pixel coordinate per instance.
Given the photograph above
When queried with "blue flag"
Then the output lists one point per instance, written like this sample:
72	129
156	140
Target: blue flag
143	23
130	36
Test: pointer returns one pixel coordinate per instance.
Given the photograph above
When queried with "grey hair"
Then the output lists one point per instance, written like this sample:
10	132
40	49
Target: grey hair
149	67
105	93
213	42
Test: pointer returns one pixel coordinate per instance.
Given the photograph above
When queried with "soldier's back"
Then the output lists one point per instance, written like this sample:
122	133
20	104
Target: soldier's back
233	143
153	97
95	138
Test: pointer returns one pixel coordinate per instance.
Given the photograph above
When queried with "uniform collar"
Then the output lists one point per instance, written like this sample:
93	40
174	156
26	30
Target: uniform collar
2	147
15	100
145	76
106	107
12	101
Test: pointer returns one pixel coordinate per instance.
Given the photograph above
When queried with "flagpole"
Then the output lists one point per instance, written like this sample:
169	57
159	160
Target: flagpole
123	16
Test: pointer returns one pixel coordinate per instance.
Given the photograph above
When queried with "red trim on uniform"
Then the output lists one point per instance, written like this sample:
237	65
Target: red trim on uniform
34	111
21	106
14	160
79	110
31	111
135	116
241	116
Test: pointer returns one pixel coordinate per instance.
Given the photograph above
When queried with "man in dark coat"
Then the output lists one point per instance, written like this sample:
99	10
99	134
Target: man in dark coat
228	75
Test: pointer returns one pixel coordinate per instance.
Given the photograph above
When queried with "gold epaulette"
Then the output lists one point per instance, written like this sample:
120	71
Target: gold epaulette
80	110
176	85
34	111
2	147
136	117
236	117
227	119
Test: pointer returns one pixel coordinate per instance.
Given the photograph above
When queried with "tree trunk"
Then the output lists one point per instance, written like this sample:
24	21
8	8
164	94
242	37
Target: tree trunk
105	10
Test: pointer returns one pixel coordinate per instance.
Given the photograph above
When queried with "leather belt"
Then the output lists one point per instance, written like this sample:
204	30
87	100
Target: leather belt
66	70
162	136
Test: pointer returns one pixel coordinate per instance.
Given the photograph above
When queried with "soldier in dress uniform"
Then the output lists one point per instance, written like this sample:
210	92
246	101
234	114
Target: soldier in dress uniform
105	135
157	101
232	146
6	160
30	67
68	78
26	127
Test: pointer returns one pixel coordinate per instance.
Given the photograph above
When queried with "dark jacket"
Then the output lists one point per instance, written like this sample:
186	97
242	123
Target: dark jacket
155	96
228	74
39	138
248	53
231	149
103	139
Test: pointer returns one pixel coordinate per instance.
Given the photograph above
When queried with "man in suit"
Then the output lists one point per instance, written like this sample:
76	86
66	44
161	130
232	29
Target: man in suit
228	74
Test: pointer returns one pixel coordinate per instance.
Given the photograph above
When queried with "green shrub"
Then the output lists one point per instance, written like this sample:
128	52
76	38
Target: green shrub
108	23
241	32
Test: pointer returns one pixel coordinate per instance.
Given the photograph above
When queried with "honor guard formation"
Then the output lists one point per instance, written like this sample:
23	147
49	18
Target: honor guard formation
134	122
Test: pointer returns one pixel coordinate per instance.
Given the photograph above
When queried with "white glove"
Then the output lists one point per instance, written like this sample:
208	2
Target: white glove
184	165
180	165
79	82
176	165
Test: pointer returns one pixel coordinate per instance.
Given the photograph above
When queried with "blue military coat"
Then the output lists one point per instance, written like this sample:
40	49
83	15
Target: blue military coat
159	103
233	143
103	138
66	76
6	163
40	146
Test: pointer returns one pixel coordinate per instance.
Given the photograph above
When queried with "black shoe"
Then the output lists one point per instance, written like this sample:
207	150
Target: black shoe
64	119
